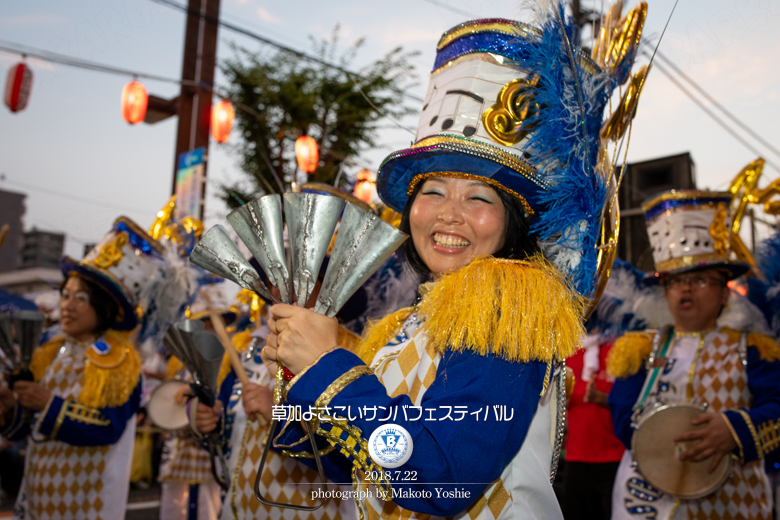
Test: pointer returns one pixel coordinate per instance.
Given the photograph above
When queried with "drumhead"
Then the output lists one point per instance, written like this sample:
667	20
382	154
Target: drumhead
163	410
658	456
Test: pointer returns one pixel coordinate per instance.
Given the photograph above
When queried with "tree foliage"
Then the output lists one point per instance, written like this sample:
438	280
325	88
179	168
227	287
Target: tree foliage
281	96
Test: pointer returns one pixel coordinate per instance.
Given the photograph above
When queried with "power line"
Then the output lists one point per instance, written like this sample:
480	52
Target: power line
450	8
268	41
717	105
53	57
72	196
26	50
713	116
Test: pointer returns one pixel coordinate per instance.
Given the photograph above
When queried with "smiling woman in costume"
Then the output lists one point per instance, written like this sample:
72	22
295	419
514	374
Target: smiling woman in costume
80	411
502	194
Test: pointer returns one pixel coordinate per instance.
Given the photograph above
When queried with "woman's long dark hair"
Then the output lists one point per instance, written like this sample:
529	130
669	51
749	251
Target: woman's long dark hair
519	243
106	308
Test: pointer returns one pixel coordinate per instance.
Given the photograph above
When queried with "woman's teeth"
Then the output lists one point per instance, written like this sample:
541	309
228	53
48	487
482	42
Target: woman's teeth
450	241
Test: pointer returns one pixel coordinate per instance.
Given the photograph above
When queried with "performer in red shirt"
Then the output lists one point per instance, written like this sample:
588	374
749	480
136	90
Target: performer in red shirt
593	452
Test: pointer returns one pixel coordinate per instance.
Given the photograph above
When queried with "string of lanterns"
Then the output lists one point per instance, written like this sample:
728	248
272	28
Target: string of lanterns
18	84
135	101
365	186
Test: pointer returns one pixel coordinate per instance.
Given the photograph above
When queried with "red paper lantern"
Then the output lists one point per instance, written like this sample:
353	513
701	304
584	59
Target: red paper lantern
17	87
222	116
365	186
307	154
134	102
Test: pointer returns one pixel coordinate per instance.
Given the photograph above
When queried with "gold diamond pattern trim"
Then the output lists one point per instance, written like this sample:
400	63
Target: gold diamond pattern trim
458	175
753	433
692	368
237	471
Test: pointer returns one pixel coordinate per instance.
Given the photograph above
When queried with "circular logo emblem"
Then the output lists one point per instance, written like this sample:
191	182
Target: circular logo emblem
390	446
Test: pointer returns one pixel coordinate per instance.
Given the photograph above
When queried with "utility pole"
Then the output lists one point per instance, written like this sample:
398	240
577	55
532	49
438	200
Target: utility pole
197	74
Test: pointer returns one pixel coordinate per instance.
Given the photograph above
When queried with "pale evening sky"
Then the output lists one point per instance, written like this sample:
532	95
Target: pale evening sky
71	139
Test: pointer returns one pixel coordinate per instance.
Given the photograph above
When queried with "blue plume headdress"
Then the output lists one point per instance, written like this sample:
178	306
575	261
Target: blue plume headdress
522	108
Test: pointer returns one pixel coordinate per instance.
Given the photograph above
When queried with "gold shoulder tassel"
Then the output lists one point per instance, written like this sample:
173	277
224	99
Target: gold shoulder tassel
379	333
109	385
766	345
517	310
627	354
173	367
44	355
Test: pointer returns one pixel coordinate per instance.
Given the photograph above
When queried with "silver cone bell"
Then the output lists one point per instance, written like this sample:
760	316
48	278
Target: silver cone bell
29	327
259	225
363	244
200	351
178	341
210	351
217	254
311	220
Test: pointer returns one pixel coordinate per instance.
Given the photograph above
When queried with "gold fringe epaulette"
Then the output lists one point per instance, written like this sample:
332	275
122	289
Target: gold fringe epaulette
348	339
767	346
628	353
516	310
110	379
173	367
44	355
379	333
241	342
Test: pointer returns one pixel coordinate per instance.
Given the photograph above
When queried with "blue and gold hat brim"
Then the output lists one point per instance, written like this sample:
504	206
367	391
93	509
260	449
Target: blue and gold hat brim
399	175
731	268
127	318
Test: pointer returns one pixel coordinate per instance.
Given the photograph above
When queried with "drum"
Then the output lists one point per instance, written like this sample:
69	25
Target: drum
658	456
163	410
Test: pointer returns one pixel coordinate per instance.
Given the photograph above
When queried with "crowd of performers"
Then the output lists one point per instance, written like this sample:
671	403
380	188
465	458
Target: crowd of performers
502	305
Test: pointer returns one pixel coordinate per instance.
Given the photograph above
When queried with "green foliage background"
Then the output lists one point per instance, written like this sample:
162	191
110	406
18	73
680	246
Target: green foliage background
280	96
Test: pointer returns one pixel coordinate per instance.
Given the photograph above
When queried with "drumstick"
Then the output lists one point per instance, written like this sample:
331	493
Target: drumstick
235	362
219	328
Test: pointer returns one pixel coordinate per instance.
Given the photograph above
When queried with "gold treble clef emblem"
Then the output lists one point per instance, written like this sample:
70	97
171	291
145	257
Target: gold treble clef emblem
111	252
512	117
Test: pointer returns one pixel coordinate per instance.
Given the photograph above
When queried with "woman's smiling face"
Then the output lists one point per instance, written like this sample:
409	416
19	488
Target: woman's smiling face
453	220
77	316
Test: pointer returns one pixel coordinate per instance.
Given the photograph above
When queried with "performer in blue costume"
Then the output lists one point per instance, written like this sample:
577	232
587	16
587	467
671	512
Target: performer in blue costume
705	357
80	411
245	428
507	156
